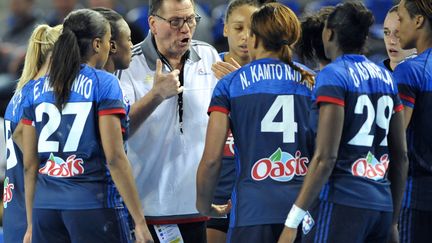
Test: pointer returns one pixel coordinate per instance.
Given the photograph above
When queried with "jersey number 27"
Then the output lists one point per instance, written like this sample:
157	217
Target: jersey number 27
81	111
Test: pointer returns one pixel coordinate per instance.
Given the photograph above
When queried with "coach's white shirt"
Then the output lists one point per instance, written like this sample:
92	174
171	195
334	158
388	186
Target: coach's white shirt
164	160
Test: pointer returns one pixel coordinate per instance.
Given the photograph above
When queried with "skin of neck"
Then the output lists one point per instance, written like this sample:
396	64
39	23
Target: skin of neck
261	52
109	65
424	41
44	69
393	65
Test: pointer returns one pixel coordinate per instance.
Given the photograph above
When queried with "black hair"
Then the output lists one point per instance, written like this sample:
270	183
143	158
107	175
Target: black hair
74	47
420	7
113	17
310	45
155	5
351	22
238	3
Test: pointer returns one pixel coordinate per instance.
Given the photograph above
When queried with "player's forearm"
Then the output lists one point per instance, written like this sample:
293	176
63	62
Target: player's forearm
142	109
30	176
121	174
397	177
398	168
318	173
207	175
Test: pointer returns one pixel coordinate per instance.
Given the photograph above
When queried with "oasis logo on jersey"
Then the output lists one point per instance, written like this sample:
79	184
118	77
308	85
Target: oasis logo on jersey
7	192
281	166
57	167
370	167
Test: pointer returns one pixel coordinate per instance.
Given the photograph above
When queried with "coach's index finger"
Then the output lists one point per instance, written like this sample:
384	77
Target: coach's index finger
158	67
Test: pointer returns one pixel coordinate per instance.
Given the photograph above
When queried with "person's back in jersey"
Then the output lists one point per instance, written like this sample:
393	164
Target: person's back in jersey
267	103
237	19
35	65
119	58
360	128
414	79
78	114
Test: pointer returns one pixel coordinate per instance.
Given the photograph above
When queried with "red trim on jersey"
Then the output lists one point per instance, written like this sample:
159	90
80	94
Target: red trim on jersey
27	122
123	130
177	221
328	99
115	111
407	98
398	108
218	108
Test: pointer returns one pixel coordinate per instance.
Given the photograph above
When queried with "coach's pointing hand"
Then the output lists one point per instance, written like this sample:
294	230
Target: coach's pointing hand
166	85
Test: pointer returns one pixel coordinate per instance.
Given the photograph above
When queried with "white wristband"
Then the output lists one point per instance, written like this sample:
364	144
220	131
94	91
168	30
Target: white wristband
295	217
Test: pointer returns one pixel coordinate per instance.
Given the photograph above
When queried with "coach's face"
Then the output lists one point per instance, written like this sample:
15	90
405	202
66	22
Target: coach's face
173	26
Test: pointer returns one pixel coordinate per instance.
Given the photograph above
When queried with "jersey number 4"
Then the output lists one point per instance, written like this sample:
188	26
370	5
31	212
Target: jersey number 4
380	117
287	126
81	111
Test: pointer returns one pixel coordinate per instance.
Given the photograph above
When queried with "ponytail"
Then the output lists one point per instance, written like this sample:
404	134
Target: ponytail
66	65
74	47
39	47
285	55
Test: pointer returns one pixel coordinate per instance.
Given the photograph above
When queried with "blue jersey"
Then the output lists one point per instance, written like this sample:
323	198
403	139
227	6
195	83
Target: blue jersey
72	160
369	97
414	78
227	175
268	105
14	216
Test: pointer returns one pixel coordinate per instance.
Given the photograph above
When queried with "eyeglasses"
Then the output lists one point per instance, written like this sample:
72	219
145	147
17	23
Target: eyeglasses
177	23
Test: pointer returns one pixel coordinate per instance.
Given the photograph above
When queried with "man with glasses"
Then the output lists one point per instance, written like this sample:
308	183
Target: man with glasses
168	118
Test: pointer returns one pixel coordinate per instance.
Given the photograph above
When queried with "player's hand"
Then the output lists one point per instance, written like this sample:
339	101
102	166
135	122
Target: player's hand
221	69
220	210
142	233
288	235
166	85
28	235
394	234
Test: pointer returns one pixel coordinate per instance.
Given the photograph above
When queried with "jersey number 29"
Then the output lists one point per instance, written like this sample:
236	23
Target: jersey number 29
363	137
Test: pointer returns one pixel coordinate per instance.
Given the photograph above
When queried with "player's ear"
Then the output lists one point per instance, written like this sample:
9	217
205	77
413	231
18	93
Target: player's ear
113	47
254	39
96	44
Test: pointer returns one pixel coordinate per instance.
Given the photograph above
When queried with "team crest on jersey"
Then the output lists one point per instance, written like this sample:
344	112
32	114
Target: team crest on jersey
7	192
281	166
57	167
370	167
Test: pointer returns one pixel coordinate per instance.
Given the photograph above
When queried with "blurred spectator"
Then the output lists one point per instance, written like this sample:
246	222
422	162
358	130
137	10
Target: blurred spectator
204	29
137	34
314	6
61	9
19	27
111	4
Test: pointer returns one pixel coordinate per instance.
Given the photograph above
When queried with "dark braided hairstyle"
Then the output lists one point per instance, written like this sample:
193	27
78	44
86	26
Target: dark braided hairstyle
351	22
279	29
310	46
